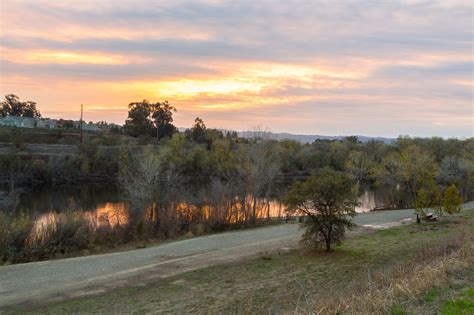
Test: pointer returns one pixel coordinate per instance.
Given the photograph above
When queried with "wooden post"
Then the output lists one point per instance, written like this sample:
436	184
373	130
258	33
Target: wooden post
80	123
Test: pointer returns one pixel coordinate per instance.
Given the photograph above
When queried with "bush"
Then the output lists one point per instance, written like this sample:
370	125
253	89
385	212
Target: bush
198	229
71	232
16	238
452	200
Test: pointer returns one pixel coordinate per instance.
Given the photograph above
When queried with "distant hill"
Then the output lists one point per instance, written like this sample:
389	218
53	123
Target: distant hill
311	138
301	138
307	138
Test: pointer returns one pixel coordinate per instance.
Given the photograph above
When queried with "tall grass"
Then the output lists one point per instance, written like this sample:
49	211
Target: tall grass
403	285
23	239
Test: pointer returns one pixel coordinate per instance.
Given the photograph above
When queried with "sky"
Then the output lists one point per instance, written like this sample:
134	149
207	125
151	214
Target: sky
376	68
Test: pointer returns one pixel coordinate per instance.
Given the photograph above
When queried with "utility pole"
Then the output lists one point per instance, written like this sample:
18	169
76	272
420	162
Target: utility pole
82	110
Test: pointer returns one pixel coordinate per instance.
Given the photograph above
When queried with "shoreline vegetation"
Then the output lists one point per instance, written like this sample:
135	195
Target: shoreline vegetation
71	234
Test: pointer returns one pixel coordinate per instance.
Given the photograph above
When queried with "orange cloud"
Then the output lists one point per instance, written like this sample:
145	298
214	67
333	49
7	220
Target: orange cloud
63	57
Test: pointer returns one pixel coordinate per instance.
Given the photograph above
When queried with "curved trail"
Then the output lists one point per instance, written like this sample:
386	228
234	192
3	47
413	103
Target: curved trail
55	280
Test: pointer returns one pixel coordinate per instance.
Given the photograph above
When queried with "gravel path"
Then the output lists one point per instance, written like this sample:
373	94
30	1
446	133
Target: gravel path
59	279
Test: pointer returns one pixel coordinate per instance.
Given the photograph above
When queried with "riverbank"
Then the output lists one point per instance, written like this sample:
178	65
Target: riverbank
380	266
26	239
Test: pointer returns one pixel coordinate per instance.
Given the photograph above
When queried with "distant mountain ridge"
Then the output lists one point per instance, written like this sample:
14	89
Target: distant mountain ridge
308	138
301	138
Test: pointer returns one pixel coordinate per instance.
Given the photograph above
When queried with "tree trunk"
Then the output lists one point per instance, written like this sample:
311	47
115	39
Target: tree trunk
328	239
328	245
254	210
279	211
152	212
268	209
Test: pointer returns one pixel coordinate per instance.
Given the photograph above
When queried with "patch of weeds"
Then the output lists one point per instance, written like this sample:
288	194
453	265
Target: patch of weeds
398	310
457	307
433	294
391	232
470	293
464	304
172	288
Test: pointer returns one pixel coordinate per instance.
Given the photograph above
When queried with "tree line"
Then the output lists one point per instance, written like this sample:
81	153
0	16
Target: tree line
398	172
204	179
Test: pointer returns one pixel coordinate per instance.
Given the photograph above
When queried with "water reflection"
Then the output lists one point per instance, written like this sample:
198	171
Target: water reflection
111	214
84	197
367	201
103	205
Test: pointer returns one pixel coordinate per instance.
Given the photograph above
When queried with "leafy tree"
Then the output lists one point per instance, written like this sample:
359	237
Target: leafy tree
428	198
352	140
329	199
150	119
162	115
358	165
289	151
457	171
375	150
452	200
338	154
224	159
197	131
422	202
451	170
386	174
417	168
138	121
12	106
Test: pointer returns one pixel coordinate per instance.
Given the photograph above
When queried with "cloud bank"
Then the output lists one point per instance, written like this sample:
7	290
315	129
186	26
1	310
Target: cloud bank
329	67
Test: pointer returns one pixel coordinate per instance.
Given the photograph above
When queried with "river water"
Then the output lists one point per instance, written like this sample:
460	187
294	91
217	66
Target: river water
98	201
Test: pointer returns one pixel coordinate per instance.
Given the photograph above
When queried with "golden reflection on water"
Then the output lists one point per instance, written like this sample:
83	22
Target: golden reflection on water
113	213
107	214
116	214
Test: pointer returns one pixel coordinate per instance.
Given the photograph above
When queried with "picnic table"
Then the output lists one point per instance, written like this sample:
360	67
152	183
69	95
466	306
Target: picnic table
431	217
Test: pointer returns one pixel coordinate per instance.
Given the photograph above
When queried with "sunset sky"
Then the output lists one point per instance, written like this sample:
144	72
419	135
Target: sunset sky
336	67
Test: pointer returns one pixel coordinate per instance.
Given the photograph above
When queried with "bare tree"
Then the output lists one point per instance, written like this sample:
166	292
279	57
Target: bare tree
259	132
264	166
140	179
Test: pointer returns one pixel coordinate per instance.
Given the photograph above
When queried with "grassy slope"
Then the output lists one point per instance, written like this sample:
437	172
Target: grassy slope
285	281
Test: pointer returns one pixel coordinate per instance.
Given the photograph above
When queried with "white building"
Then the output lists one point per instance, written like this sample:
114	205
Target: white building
91	127
27	122
46	123
19	122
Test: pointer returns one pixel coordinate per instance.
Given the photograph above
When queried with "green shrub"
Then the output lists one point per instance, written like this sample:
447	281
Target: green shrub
19	230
